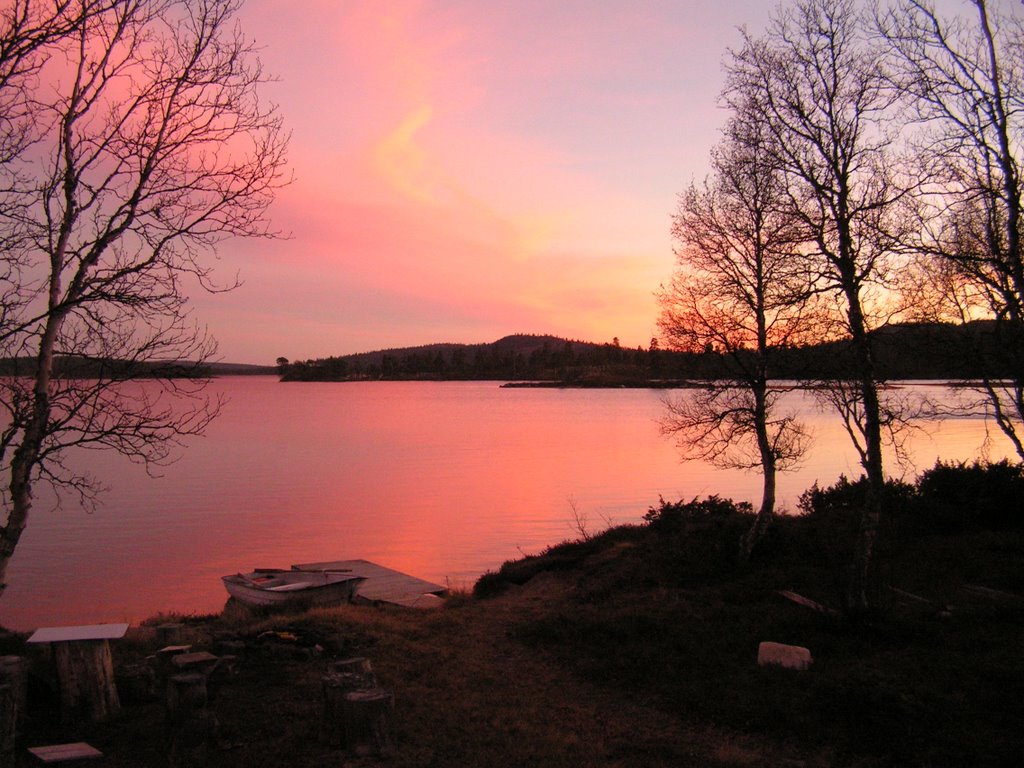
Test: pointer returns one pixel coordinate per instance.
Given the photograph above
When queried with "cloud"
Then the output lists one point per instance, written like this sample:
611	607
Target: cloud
470	169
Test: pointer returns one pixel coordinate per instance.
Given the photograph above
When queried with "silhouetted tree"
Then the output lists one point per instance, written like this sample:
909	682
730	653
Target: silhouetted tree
149	146
741	285
818	87
963	81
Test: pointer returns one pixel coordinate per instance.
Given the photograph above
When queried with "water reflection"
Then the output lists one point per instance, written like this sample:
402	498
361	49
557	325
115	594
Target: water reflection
442	480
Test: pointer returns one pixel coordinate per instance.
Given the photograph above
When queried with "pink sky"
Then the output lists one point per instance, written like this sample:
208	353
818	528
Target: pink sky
466	169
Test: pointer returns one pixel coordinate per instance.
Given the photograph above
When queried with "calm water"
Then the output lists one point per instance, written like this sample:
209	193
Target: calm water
441	480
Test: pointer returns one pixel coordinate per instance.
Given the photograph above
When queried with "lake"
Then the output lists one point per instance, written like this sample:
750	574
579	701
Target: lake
442	480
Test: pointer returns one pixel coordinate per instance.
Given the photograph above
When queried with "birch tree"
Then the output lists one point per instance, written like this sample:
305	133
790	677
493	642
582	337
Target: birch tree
823	95
741	287
962	78
147	145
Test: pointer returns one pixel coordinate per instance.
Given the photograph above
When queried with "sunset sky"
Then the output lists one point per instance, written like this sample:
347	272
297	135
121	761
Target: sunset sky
466	169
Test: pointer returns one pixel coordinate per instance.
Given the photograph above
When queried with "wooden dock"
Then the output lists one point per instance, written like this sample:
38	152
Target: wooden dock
384	585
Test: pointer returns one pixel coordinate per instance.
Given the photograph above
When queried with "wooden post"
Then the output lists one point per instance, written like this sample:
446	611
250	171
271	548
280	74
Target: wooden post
86	674
367	719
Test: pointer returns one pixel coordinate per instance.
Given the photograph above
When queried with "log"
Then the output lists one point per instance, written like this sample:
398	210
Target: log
86	674
366	716
806	602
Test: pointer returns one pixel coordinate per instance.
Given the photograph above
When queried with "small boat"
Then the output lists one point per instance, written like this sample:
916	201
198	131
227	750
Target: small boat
274	587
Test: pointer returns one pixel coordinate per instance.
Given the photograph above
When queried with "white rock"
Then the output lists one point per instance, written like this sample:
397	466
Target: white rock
788	656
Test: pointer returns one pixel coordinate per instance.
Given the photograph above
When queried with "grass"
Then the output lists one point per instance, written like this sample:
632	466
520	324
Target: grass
637	647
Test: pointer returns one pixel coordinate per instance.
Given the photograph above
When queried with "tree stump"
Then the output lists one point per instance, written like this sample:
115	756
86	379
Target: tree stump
356	665
163	661
169	634
8	723
185	695
136	683
14	672
333	689
191	727
366	717
86	674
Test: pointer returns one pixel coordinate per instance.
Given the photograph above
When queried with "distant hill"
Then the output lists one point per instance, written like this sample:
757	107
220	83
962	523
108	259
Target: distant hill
907	351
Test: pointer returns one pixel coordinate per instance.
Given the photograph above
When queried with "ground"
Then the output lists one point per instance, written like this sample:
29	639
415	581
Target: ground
625	649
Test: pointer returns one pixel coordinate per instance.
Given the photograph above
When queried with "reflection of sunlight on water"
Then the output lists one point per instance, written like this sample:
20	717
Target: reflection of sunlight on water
442	480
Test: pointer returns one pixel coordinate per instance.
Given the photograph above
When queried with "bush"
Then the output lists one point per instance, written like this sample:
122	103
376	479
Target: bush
846	499
952	498
675	515
695	542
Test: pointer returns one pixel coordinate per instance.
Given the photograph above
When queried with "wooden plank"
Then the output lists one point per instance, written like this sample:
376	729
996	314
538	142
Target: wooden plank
987	593
86	632
910	596
382	585
57	753
806	602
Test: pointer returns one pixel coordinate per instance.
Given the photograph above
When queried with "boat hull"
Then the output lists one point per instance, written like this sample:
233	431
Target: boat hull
291	589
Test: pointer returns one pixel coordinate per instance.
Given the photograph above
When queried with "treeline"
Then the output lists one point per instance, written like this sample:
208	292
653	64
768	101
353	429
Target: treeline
905	351
81	367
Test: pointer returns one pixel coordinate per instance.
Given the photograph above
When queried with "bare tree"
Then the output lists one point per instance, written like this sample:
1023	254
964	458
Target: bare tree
151	146
741	287
963	81
822	94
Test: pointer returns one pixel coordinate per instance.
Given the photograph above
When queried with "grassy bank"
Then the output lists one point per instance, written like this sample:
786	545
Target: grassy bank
637	647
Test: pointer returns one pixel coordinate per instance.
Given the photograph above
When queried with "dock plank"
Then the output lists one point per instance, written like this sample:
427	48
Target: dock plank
383	585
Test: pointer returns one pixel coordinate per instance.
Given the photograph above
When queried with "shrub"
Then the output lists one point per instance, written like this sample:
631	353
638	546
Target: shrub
695	542
952	498
669	515
845	499
834	517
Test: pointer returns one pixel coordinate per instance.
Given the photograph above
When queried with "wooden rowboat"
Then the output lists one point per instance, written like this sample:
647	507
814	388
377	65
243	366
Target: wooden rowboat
272	587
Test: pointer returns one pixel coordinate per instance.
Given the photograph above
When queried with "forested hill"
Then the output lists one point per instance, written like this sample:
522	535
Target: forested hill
909	351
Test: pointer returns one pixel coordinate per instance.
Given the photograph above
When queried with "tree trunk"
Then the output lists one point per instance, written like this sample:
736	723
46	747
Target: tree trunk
765	514
23	462
857	599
